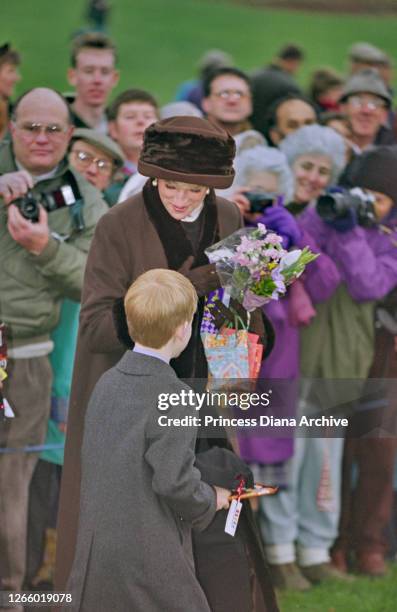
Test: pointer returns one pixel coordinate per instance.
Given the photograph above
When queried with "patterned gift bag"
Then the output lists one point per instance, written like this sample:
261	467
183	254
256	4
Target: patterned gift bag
227	354
255	351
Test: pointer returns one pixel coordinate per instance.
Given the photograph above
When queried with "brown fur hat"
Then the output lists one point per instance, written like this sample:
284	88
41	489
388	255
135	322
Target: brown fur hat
190	150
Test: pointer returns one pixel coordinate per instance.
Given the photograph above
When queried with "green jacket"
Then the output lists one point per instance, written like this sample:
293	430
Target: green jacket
338	348
32	286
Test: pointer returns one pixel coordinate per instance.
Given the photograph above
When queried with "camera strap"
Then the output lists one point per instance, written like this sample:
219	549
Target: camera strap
75	203
69	195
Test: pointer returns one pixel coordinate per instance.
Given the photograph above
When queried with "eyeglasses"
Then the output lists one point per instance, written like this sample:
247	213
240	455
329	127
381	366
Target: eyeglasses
52	130
226	94
370	103
86	159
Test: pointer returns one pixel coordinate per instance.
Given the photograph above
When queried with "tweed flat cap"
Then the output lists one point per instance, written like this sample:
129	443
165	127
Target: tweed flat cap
103	142
368	54
366	81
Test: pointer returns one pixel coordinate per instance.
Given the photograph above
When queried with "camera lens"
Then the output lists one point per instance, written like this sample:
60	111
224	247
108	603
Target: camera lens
29	208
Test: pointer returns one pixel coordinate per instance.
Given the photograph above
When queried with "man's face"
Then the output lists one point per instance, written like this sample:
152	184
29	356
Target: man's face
9	76
229	100
94	76
366	114
291	115
291	65
93	163
41	132
130	124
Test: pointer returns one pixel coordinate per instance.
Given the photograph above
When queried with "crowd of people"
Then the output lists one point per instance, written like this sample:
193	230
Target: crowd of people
97	190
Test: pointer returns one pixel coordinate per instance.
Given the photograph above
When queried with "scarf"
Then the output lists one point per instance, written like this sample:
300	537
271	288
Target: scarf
176	245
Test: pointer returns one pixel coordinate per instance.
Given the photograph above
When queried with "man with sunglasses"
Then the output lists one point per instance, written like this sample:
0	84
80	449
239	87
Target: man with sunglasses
96	157
42	261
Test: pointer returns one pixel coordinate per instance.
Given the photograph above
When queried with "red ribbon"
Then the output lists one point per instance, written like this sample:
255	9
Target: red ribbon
241	486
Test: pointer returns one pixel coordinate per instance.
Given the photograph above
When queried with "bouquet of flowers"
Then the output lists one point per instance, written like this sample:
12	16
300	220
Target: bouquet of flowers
253	266
254	269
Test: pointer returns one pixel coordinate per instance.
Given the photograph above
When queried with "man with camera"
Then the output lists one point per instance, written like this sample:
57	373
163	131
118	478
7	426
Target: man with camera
47	219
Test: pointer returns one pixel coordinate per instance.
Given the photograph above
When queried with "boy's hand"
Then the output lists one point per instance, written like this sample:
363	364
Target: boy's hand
222	498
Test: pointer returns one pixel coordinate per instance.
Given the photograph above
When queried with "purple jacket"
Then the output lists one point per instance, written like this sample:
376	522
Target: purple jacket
366	258
320	281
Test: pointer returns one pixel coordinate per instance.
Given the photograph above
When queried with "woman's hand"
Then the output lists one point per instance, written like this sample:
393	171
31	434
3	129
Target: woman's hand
241	200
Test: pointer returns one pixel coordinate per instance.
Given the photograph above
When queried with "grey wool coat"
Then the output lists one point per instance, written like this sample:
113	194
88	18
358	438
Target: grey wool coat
140	497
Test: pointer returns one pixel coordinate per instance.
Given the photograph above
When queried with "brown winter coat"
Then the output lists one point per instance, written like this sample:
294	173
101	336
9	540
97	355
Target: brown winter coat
125	245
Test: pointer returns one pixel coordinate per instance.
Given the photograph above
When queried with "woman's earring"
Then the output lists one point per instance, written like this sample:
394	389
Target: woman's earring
154	182
207	192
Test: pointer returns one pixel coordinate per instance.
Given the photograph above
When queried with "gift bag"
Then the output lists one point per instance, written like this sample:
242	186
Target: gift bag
227	354
255	352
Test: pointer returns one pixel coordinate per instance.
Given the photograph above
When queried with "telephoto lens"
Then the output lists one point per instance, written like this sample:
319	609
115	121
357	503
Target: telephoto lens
337	204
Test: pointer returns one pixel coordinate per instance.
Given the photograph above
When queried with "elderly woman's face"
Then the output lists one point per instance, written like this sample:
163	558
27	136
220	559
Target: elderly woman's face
312	174
180	199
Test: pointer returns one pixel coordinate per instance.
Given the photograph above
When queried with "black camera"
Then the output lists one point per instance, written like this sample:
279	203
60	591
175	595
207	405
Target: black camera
67	195
28	207
259	200
336	204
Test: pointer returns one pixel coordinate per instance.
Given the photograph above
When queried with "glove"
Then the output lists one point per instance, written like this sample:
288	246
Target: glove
223	315
345	223
280	220
204	278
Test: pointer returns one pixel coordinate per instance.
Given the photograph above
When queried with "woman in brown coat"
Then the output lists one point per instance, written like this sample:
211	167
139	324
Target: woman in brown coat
169	225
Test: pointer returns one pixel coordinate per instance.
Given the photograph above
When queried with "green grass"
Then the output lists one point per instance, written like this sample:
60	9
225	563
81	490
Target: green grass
160	40
363	595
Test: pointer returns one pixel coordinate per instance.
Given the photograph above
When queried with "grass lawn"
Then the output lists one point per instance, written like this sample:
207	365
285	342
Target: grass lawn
364	595
160	40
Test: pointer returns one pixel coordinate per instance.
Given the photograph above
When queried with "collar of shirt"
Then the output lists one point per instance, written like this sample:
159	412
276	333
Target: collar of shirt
40	177
194	215
150	353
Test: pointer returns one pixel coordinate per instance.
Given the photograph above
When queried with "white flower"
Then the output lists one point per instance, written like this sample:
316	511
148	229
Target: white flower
289	259
220	255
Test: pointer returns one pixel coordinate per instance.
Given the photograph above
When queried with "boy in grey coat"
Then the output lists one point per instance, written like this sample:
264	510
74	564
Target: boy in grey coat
140	493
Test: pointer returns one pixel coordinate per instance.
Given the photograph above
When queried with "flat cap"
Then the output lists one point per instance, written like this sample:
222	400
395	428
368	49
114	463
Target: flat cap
368	54
366	81
103	142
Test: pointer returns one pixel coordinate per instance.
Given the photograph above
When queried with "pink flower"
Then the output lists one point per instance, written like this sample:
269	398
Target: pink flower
273	239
